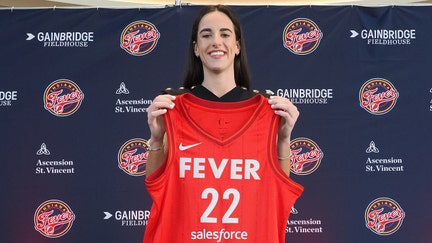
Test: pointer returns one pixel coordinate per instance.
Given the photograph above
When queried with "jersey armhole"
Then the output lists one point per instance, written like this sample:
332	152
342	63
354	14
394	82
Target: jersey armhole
156	174
295	187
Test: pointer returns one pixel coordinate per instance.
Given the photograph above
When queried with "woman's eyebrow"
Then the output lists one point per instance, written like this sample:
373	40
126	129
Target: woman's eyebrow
205	30
226	29
210	30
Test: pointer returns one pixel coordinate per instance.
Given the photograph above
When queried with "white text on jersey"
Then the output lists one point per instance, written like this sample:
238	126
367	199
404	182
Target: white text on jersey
238	168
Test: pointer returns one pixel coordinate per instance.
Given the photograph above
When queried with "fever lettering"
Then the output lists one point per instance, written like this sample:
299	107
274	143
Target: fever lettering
236	169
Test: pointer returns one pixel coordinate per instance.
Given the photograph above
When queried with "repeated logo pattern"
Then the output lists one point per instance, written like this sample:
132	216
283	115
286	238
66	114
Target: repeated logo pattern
139	38
53	218
302	36
63	97
306	156
132	157
378	96
384	216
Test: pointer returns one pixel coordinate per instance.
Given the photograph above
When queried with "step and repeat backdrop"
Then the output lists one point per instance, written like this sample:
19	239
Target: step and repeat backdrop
75	85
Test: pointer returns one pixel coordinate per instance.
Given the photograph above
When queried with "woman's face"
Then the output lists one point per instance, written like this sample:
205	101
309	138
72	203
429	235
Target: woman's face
216	44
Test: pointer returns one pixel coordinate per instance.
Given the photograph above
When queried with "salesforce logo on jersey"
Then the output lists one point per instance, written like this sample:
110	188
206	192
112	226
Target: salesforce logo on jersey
128	217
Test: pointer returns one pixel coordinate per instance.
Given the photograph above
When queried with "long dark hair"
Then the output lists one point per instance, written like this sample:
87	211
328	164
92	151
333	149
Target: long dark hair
194	70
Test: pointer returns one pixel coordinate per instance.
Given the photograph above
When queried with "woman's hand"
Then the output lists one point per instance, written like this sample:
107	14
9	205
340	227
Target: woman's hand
158	107
289	113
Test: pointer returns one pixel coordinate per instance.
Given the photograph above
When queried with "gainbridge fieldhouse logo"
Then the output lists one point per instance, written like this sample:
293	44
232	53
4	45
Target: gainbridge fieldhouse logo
306	156
384	216
139	38
132	157
53	218
378	96
63	97
302	36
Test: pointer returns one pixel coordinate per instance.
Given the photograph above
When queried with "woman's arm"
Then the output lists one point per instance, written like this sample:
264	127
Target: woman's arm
289	114
158	147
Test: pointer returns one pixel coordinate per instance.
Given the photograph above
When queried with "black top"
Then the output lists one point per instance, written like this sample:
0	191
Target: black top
236	94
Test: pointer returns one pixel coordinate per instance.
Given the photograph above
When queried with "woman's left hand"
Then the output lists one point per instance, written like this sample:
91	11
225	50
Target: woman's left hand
288	112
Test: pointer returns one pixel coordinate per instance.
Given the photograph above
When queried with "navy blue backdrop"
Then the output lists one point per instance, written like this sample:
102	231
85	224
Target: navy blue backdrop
74	85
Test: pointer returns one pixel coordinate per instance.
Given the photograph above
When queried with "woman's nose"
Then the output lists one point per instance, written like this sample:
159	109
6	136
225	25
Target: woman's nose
217	40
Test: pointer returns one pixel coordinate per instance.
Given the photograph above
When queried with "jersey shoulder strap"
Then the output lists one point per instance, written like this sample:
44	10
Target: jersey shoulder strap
182	90
178	91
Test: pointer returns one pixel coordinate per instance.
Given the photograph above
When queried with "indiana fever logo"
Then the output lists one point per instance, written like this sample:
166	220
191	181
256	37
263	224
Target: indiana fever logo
378	96
384	216
132	157
53	218
302	36
139	38
63	97
305	156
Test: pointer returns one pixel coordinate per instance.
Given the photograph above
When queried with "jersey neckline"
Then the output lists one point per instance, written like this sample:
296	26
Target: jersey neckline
253	103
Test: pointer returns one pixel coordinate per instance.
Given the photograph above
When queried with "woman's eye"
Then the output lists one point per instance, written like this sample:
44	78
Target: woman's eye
206	36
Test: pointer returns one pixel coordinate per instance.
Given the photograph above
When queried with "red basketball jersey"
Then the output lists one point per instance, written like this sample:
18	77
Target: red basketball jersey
221	181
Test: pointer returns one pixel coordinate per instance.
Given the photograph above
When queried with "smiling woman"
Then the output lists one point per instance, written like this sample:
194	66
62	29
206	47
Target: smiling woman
230	30
216	144
217	46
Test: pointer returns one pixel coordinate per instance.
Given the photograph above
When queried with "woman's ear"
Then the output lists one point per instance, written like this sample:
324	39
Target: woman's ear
195	48
238	47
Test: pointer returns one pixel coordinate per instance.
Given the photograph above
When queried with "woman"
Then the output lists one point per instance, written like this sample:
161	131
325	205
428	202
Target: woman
217	108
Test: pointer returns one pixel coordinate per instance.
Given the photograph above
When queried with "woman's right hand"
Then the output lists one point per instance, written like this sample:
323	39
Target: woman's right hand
158	107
